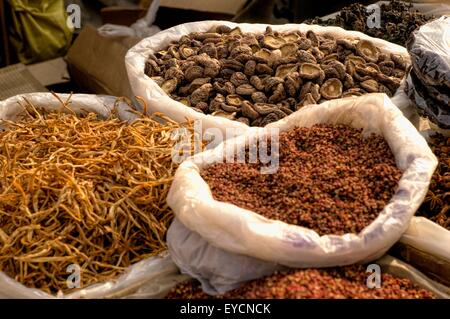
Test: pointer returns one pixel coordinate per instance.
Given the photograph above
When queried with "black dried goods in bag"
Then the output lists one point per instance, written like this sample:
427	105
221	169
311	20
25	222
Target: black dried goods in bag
429	48
428	82
438	113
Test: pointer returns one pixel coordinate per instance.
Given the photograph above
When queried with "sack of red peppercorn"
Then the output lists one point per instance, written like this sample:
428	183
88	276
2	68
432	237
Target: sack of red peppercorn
243	231
190	71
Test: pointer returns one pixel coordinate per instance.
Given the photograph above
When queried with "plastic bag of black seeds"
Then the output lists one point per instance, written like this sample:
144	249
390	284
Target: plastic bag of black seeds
242	231
171	72
428	83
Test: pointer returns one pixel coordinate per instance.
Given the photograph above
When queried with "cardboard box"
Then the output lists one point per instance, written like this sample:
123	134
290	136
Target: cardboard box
121	15
230	7
97	64
174	12
434	267
50	72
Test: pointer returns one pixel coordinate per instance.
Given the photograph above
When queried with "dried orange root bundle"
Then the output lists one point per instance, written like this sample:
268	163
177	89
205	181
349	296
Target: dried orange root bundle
82	190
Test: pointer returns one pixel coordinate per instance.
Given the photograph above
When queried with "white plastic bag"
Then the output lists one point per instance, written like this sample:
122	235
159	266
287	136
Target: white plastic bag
217	270
429	237
159	101
149	278
141	28
244	232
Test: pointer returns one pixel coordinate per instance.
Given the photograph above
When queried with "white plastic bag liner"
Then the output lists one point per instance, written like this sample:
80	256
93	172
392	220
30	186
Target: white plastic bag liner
151	277
159	101
141	28
244	232
217	270
100	104
429	237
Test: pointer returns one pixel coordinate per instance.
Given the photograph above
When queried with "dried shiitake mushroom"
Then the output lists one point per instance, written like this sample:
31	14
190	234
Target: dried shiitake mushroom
230	116
309	71
229	108
245	89
263	108
367	50
193	73
259	78
249	111
263	55
273	42
290	37
234	99
169	86
285	69
353	92
289	49
370	85
308	100
201	94
331	89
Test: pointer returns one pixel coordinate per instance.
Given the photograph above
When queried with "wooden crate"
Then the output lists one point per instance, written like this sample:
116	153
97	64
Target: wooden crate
434	267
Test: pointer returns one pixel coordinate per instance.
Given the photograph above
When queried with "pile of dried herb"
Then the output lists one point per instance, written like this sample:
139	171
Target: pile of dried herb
332	283
437	202
330	179
81	190
398	20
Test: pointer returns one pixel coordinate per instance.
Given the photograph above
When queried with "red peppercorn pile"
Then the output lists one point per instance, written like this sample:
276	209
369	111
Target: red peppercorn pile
330	179
344	282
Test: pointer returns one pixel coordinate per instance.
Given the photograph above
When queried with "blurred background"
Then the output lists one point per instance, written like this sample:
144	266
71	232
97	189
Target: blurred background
40	51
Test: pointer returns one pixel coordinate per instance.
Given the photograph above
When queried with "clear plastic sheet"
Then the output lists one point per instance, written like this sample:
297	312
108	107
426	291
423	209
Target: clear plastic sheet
159	101
149	278
428	83
244	232
429	48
